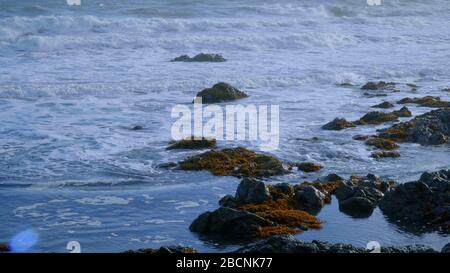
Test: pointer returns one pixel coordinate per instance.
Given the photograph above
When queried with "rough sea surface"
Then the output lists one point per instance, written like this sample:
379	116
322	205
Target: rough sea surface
74	79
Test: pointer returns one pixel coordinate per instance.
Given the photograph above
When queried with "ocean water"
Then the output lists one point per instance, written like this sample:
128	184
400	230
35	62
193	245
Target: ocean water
74	79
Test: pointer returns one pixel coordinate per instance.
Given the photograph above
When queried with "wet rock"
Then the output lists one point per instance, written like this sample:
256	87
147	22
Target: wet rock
446	89
163	250
384	154
332	177
4	248
446	248
428	101
381	143
358	196
193	143
432	128
376	117
229	222
252	191
202	57
221	92
425	201
338	124
378	85
228	201
238	162
289	244
136	128
384	105
309	167
361	137
167	165
311	198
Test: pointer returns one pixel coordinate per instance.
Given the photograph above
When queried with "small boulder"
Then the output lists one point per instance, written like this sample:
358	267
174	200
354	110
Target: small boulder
252	191
378	85
381	143
384	105
202	57
384	154
361	137
309	167
338	124
193	143
221	92
357	206
311	198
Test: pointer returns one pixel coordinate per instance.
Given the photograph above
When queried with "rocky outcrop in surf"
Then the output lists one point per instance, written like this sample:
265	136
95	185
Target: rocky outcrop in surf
221	92
202	57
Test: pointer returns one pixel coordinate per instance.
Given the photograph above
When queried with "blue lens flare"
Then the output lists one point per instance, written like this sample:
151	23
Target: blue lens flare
23	240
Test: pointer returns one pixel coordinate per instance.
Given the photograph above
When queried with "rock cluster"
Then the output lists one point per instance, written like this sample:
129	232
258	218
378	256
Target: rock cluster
202	57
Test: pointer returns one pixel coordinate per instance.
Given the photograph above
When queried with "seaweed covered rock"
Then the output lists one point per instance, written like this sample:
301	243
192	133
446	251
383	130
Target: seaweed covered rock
309	167
431	128
163	250
289	244
338	124
235	162
425	201
384	105
376	117
221	92
382	143
381	85
361	137
428	101
261	211
384	154
193	143
202	57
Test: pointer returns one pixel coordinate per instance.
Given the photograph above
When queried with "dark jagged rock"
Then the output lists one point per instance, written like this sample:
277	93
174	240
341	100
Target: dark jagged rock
312	199
252	191
238	162
359	196
432	128
446	248
361	137
338	124
163	250
381	143
384	105
426	201
428	101
289	244
309	167
193	143
202	57
381	85
384	154
4	248
221	92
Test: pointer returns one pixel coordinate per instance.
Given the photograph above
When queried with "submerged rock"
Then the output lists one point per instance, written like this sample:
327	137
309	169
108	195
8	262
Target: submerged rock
221	92
384	105
136	127
235	162
338	124
361	137
428	101
289	244
432	128
309	167
383	154
193	143
425	201
163	250
378	85
202	57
